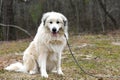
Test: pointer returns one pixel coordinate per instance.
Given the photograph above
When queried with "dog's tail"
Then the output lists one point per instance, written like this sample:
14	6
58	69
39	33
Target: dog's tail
18	67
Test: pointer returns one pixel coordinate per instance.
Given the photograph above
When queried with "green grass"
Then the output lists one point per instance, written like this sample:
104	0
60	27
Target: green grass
13	46
99	57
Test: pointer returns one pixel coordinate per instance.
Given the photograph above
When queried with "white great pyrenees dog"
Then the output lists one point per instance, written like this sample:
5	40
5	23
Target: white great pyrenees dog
44	52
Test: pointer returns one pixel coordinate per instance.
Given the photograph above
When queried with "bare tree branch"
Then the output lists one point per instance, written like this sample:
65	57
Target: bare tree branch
107	13
17	27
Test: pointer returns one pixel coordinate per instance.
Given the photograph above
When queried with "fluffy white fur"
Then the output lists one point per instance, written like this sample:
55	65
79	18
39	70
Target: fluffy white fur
44	52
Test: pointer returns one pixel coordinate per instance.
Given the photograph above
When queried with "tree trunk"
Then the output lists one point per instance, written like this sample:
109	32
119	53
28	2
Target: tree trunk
8	18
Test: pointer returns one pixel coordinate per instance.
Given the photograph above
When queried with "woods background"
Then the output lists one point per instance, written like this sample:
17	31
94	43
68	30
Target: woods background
84	16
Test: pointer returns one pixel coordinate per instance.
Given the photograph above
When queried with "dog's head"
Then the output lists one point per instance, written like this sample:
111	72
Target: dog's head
55	23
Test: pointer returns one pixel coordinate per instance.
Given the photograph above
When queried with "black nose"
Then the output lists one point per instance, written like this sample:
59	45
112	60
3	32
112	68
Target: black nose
54	30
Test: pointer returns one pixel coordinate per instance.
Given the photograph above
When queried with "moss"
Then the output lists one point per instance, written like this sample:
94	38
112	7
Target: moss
35	11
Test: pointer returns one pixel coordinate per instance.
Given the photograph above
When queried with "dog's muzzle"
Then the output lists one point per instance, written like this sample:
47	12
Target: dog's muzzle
54	31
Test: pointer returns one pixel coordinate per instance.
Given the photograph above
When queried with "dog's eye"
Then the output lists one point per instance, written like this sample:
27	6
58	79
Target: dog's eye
51	22
57	22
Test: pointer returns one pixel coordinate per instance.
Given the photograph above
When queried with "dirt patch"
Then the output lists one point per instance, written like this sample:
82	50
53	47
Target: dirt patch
116	43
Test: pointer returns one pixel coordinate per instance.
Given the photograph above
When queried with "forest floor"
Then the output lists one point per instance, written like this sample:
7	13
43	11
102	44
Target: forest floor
97	54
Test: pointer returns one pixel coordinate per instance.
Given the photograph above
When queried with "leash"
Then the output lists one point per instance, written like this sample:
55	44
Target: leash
83	70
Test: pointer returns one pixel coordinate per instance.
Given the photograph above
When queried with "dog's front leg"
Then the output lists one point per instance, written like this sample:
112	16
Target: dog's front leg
42	64
59	70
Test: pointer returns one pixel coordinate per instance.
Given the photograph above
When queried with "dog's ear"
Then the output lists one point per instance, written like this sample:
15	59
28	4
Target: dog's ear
65	20
65	25
44	18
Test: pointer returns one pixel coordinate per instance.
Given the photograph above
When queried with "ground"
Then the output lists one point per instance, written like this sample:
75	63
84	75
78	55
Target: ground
97	54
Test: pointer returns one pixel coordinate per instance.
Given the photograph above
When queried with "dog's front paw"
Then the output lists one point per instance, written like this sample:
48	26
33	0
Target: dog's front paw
33	72
60	72
44	75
